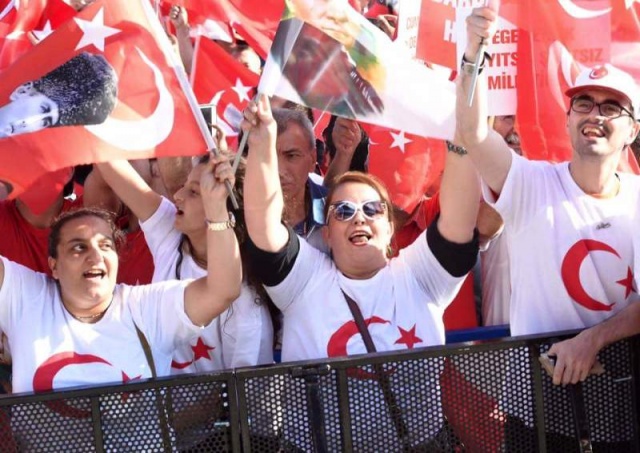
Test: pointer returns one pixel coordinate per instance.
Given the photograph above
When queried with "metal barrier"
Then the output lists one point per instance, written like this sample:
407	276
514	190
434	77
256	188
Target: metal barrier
485	397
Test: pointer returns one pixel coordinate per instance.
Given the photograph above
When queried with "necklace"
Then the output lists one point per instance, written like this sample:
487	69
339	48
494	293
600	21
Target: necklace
90	317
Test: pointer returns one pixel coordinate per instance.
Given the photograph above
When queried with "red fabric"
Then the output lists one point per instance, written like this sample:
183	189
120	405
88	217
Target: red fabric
214	75
553	47
32	16
255	20
136	262
435	19
15	23
21	242
45	190
147	127
461	314
409	166
472	413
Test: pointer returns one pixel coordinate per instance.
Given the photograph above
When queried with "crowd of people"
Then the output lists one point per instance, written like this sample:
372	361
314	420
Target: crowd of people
154	248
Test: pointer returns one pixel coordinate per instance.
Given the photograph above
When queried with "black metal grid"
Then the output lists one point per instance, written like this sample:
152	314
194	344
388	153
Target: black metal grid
478	398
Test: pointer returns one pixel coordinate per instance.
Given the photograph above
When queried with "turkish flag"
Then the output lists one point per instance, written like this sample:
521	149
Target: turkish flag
104	85
217	78
409	165
558	39
16	20
255	20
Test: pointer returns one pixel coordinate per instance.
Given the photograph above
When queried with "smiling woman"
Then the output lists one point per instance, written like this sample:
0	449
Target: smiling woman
401	300
82	313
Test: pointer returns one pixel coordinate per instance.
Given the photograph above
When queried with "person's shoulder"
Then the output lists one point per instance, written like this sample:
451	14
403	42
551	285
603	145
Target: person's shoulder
316	186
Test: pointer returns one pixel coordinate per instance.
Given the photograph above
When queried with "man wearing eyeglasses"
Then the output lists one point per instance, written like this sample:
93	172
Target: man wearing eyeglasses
571	227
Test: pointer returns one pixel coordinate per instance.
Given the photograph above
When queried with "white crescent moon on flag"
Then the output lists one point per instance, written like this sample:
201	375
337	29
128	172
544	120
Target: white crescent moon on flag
582	13
216	98
143	134
560	59
8	8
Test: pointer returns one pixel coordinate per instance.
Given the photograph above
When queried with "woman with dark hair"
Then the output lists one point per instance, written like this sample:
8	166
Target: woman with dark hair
176	235
81	317
402	298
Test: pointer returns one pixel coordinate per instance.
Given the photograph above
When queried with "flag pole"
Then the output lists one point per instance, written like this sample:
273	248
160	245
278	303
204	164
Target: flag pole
243	142
495	5
476	71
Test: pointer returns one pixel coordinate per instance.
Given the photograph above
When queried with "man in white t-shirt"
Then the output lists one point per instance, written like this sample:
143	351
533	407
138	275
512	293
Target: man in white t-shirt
571	227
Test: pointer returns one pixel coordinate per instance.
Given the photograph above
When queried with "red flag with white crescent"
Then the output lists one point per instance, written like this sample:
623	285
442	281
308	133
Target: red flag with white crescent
408	164
218	79
559	38
104	85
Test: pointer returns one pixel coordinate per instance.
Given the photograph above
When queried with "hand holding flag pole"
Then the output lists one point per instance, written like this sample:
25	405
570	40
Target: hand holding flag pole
494	5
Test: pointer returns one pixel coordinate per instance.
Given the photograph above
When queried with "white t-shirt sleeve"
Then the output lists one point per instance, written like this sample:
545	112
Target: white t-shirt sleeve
158	310
524	193
159	231
308	262
419	262
21	285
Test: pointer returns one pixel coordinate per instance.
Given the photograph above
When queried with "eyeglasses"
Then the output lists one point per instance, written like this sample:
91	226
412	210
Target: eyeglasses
344	211
608	109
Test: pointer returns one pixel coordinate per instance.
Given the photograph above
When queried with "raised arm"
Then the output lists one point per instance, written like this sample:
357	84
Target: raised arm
179	17
345	135
459	196
486	147
209	296
263	202
130	187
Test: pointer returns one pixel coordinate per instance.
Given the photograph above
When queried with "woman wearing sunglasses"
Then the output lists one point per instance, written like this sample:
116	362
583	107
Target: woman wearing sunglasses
402	299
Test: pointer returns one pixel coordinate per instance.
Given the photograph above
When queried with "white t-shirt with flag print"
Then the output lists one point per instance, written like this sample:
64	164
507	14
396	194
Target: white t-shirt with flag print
402	304
572	256
51	350
241	336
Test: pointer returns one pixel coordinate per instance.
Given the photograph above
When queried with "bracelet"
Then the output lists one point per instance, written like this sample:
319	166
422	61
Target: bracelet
221	226
459	150
469	67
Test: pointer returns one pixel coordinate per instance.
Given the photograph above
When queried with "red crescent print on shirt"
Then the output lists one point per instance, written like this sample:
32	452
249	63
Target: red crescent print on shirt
46	373
598	72
571	274
337	346
200	351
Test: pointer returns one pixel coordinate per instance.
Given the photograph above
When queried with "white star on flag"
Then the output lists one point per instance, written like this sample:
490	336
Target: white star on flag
41	34
94	32
242	91
399	140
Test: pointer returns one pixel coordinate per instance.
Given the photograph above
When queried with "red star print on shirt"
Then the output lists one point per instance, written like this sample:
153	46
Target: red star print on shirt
408	337
627	283
201	350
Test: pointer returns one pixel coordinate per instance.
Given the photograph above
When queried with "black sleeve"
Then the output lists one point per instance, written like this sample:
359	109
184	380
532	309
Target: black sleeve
273	267
457	259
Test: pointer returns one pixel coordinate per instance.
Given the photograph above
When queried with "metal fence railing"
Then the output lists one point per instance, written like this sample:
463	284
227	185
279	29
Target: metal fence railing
485	397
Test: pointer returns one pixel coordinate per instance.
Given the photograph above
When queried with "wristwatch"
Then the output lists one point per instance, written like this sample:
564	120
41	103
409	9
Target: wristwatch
469	67
221	226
